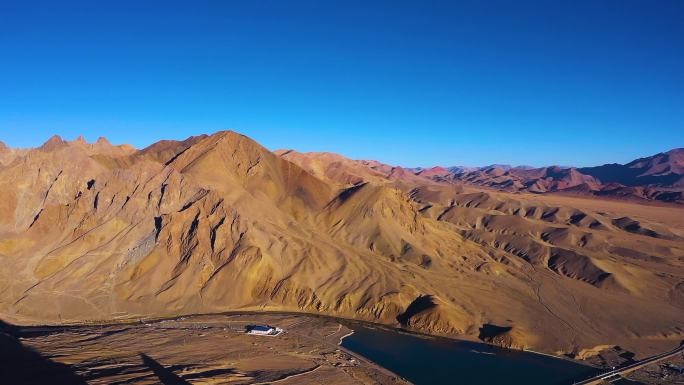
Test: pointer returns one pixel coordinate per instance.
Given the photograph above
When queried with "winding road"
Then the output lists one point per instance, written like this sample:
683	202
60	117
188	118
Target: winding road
618	373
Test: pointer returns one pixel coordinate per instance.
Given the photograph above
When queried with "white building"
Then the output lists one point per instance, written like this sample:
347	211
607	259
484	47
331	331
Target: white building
263	330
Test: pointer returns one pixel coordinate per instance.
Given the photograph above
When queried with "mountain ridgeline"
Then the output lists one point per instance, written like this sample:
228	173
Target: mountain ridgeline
98	232
656	178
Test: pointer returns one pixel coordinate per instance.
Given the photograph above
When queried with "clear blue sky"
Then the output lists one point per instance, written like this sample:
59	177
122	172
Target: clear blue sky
414	83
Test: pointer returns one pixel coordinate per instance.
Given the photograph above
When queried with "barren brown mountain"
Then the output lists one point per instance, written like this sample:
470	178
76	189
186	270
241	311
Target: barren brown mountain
216	223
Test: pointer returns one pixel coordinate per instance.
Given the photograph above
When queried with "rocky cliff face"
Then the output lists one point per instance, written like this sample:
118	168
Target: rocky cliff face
218	223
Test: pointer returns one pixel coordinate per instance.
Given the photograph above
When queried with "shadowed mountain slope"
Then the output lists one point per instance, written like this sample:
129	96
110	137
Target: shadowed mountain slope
664	169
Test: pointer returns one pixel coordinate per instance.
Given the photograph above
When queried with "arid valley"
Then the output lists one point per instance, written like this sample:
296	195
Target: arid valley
95	233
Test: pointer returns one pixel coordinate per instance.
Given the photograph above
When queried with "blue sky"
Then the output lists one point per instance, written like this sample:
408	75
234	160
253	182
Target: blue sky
414	83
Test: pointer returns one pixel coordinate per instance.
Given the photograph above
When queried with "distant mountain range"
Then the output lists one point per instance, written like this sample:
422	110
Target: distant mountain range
658	177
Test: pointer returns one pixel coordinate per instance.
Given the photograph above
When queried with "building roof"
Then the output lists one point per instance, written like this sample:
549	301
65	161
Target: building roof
260	328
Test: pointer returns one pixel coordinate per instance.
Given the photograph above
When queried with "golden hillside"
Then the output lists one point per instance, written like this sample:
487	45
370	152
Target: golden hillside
217	223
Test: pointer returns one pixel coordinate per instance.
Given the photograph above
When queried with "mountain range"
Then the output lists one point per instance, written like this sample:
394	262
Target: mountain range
657	178
525	258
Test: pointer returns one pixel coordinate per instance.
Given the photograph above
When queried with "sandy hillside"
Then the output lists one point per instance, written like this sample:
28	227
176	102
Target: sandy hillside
217	223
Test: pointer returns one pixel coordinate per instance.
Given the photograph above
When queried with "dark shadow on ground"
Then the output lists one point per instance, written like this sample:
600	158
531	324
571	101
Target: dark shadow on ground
166	376
21	365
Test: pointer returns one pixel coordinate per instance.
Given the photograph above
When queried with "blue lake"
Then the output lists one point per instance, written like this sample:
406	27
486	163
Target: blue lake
436	361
